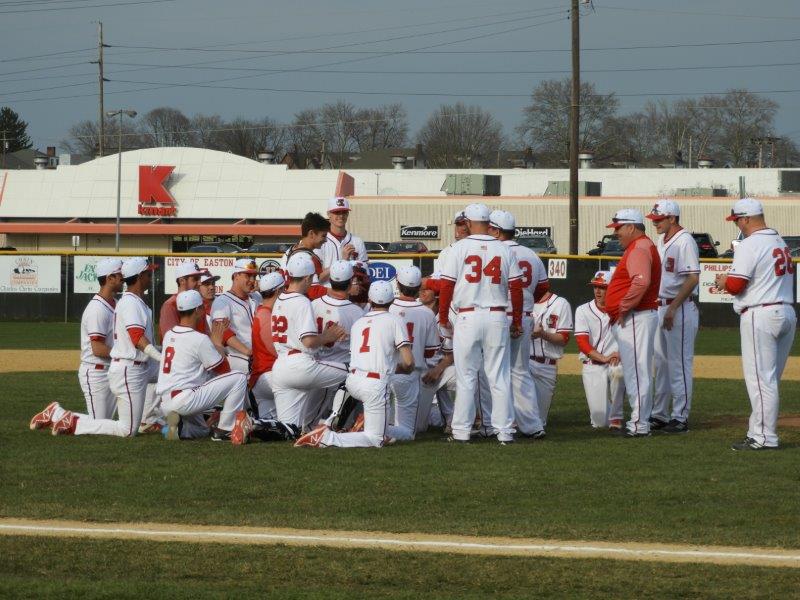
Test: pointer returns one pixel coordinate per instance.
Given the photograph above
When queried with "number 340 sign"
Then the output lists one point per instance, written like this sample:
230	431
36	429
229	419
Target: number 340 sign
557	268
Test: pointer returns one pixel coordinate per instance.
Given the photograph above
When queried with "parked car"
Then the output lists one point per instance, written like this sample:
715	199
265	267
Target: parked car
215	248
541	244
376	248
608	246
407	248
706	245
268	248
793	241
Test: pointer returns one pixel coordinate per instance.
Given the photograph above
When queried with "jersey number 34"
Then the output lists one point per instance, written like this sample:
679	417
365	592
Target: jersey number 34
492	270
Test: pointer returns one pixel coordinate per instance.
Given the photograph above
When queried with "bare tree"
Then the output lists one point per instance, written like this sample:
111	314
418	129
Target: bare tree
207	131
306	134
545	124
460	136
167	126
382	127
341	129
742	116
83	137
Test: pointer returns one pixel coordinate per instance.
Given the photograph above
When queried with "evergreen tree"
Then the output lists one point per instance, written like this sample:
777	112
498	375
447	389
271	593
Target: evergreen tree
14	130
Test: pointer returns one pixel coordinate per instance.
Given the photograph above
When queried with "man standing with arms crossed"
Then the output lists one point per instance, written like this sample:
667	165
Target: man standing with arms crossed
631	303
479	275
339	243
678	320
314	229
761	282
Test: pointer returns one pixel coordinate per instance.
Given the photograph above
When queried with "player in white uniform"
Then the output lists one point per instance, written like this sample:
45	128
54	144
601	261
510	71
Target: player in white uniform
314	229
297	372
97	338
678	319
602	374
339	243
377	341
552	325
185	383
237	307
477	275
535	284
131	358
761	281
423	333
333	308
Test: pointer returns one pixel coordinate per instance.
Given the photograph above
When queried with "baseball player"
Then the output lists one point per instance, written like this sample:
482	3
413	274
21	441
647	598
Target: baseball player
678	320
552	325
631	303
761	282
314	230
183	376
264	353
208	290
187	276
602	375
478	274
423	334
339	243
335	307
535	284
237	307
97	338
297	372
379	347
131	357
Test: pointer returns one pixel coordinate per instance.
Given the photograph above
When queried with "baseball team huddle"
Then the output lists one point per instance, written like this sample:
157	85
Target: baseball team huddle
318	355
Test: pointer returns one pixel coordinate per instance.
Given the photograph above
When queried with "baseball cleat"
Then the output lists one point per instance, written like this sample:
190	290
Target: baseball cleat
213	419
146	428
656	424
65	425
536	435
172	430
615	424
635	434
358	425
312	439
220	435
750	444
240	434
456	441
44	418
675	426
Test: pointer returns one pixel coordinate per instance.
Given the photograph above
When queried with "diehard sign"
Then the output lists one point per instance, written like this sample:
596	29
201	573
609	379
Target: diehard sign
154	199
30	274
532	231
84	277
419	232
557	268
217	265
709	292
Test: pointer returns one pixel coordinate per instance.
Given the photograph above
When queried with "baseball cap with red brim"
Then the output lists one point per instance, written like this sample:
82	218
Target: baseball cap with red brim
338	204
664	209
134	266
746	207
601	279
206	277
626	216
245	265
188	268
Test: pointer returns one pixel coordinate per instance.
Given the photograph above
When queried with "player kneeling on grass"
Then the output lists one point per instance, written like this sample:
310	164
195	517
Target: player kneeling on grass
379	347
602	373
183	376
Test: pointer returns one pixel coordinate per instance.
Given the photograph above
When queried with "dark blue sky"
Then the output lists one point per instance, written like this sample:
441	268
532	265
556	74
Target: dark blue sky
363	27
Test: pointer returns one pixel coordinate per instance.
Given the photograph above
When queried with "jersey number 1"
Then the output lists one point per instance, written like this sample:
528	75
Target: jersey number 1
364	340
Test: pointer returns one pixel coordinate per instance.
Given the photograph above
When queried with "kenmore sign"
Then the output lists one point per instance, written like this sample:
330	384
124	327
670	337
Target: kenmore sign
419	232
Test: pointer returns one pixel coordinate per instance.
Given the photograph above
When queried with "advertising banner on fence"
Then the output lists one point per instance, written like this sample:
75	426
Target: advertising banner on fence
84	279
30	274
218	265
708	288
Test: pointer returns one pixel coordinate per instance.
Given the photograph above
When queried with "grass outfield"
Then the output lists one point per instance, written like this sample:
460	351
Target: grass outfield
576	484
43	567
722	341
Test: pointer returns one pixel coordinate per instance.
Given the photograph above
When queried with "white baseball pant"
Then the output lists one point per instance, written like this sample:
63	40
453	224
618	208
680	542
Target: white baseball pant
483	404
265	399
239	363
100	402
319	405
406	389
128	382
295	378
636	339
604	394
674	363
544	381
526	404
443	389
228	389
481	336
767	333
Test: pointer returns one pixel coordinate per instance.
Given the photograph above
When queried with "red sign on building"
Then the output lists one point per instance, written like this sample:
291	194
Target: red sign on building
154	199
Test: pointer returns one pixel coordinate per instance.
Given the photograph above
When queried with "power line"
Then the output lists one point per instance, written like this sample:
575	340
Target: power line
694	13
48	55
60	8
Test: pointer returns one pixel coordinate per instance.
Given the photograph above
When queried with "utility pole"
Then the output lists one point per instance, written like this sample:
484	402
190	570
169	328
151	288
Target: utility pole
574	116
101	80
5	149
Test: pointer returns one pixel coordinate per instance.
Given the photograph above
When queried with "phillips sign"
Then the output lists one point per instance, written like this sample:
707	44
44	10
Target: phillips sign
154	199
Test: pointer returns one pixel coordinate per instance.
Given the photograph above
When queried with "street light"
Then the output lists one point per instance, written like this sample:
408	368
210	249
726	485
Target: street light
111	114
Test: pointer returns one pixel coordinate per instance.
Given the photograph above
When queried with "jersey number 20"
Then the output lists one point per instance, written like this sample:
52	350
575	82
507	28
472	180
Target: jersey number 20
492	269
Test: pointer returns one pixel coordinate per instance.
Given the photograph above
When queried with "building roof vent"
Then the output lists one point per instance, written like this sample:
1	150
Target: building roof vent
399	161
41	163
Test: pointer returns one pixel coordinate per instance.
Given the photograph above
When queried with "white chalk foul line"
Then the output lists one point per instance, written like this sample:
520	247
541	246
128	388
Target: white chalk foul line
452	545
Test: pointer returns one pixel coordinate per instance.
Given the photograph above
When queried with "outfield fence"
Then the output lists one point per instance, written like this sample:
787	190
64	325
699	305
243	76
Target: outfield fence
42	286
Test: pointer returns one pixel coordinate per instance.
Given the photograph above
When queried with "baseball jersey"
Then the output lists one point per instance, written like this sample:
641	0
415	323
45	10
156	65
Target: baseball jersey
645	255
374	341
764	260
131	312
554	315
533	272
292	320
97	323
481	268
331	250
240	313
168	317
421	328
186	359
342	312
593	322
264	354
679	258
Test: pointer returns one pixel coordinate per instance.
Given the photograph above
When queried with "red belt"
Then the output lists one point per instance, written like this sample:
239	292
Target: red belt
174	393
524	314
136	363
746	308
97	367
544	361
370	374
668	301
290	352
491	309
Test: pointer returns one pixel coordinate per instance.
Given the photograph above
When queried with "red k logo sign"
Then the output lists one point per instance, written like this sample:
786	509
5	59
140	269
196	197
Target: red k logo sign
151	184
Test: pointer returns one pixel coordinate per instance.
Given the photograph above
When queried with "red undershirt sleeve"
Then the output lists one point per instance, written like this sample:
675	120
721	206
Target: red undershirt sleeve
316	291
541	289
446	288
515	288
136	334
433	285
583	343
565	335
735	285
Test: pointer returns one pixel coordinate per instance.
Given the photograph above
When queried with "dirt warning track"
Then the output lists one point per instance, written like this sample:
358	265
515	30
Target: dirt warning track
406	542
